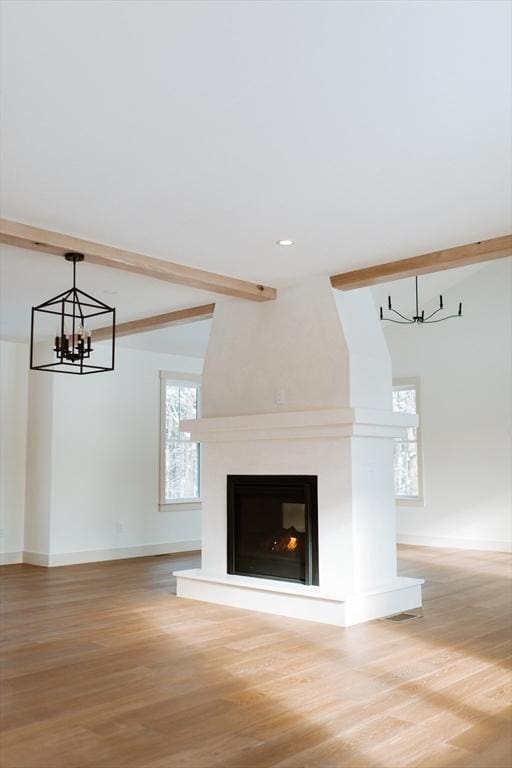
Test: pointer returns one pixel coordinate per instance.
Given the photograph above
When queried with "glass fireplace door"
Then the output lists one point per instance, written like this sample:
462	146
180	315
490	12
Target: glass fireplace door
272	527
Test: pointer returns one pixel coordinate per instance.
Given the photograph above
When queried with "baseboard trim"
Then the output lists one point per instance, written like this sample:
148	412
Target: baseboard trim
36	558
442	541
11	558
118	553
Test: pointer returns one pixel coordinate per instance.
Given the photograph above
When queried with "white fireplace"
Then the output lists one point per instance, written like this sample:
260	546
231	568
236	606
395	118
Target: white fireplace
302	387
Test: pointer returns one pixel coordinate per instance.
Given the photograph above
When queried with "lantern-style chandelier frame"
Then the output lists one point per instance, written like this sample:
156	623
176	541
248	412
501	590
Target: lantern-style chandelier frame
72	345
419	317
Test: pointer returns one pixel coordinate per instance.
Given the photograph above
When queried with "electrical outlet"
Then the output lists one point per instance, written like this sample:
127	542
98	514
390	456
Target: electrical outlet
120	526
280	396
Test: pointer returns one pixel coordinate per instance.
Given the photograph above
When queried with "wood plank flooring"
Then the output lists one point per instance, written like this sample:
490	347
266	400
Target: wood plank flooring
103	667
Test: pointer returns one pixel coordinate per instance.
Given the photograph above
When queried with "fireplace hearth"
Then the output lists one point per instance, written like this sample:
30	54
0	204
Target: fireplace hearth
273	527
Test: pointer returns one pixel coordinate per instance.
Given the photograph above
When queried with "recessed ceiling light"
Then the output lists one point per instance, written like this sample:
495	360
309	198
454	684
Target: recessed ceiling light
286	242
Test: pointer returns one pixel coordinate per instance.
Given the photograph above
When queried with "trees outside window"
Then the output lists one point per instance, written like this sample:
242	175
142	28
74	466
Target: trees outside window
181	457
407	456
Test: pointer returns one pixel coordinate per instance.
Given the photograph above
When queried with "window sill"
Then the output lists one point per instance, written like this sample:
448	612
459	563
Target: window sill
180	504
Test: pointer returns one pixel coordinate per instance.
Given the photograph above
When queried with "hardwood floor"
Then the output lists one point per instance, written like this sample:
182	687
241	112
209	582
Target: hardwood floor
104	667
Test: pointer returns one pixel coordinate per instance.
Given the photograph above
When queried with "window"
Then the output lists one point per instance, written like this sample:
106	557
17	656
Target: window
180	458
407	457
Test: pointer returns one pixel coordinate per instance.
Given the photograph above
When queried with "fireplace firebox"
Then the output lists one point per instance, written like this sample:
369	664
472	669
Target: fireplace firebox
273	527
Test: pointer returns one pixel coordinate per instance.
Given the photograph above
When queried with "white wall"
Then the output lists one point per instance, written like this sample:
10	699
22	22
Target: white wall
369	364
13	433
464	366
92	469
105	459
39	462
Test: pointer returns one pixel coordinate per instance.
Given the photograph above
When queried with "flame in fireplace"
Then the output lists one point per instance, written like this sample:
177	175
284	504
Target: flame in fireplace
287	542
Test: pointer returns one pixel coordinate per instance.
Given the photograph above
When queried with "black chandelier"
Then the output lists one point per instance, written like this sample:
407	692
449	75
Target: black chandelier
419	317
72	343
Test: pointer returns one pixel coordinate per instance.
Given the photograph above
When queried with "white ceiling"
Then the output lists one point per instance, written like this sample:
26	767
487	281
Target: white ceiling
202	132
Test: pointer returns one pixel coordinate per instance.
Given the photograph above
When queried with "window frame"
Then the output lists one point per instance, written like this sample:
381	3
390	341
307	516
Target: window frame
183	379
413	382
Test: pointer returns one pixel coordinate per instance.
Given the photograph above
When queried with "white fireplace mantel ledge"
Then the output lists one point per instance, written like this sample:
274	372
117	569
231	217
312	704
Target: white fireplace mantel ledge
340	422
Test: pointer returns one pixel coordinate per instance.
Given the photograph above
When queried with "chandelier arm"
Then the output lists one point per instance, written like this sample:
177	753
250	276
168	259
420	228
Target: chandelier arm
95	314
67	314
56	299
98	302
86	304
432	314
400	322
408	319
79	305
442	319
60	353
73	332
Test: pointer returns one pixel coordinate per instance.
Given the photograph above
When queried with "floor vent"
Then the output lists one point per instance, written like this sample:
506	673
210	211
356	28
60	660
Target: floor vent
399	617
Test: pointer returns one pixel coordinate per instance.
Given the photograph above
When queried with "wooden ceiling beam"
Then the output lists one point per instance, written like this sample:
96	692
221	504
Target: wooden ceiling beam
153	323
45	241
460	256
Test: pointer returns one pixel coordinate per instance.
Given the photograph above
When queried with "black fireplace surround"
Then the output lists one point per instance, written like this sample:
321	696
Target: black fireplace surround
273	527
